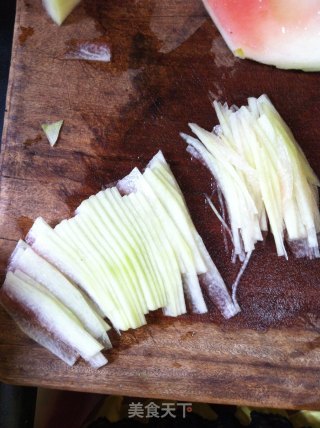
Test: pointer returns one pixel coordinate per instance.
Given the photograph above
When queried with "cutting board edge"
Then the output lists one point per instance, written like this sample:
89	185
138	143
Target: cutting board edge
134	393
12	72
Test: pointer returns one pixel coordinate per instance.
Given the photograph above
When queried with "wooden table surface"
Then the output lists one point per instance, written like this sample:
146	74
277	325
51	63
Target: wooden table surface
166	57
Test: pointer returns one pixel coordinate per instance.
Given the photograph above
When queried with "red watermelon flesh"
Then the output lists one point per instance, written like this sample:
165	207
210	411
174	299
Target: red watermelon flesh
284	33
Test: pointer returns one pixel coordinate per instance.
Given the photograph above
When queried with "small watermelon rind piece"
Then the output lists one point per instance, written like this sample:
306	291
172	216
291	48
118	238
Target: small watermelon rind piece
58	10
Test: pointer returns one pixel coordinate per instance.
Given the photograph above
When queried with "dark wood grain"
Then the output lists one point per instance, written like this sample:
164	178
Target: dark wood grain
166	57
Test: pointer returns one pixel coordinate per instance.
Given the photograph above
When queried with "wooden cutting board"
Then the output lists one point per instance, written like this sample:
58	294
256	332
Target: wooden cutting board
166	57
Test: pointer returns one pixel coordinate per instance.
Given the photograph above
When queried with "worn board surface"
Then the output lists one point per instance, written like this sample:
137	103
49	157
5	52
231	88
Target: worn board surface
166	57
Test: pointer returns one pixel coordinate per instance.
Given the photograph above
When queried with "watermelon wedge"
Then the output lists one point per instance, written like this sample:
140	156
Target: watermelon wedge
284	33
